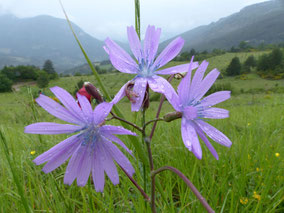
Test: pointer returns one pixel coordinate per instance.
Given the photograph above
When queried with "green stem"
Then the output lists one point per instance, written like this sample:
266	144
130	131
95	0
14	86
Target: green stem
137	17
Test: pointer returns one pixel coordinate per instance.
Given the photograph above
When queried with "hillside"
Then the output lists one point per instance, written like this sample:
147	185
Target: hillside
258	23
33	40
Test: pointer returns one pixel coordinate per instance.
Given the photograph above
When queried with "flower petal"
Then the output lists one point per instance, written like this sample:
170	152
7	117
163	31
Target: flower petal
108	164
85	166
69	102
64	146
214	113
206	141
116	140
205	85
118	130
119	157
197	78
74	165
139	88
183	88
55	109
97	170
177	69
169	53
151	43
190	138
134	43
214	133
101	112
120	59
48	128
215	98
120	94
160	85
86	107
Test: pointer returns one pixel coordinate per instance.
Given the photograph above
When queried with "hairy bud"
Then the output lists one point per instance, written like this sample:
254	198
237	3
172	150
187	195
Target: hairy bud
93	91
172	116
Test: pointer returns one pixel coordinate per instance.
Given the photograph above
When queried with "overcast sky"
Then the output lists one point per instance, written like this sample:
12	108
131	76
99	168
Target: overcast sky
103	18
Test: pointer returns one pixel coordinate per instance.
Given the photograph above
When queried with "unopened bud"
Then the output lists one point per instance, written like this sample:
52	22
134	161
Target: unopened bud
172	116
146	100
179	76
93	91
129	92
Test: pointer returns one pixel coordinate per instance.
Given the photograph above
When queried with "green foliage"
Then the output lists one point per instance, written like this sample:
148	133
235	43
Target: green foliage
48	68
21	72
234	67
43	80
250	62
5	83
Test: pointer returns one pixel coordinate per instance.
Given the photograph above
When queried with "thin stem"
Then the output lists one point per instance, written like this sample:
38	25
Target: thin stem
188	183
159	110
125	121
136	185
151	121
137	17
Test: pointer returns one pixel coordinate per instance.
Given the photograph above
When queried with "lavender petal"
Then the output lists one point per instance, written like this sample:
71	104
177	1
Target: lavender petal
206	141
85	166
55	109
190	138
214	133
139	89
215	98
119	157
120	94
48	128
169	52
215	113
101	112
108	129
117	141
69	102
160	85
151	43
97	170
177	69
86	107
205	85
63	146
108	164
197	79
134	43
120	59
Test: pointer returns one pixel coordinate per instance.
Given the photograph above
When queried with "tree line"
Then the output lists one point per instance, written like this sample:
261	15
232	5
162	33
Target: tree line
13	74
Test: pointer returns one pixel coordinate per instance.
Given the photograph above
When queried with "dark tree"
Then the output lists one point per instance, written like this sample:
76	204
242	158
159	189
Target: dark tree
250	62
275	58
234	67
192	52
43	79
48	67
5	83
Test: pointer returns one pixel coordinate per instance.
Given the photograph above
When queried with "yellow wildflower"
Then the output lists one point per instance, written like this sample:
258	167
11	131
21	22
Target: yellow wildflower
33	152
249	157
257	169
243	200
249	123
256	196
277	154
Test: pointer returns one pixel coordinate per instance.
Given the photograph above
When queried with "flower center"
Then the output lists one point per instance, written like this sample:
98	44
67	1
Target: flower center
190	112
145	69
90	135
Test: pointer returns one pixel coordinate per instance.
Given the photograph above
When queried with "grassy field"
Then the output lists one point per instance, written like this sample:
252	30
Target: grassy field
247	178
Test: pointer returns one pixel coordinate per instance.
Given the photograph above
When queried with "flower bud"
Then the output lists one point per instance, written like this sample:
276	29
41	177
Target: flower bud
129	93
93	91
172	116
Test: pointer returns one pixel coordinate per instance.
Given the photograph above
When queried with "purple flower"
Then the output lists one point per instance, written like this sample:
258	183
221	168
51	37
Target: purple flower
91	149
194	110
146	70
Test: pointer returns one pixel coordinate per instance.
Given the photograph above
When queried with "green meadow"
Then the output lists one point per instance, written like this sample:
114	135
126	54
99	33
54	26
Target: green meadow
248	177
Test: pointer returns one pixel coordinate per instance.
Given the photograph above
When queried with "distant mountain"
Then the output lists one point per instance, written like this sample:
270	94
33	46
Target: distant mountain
258	23
34	40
